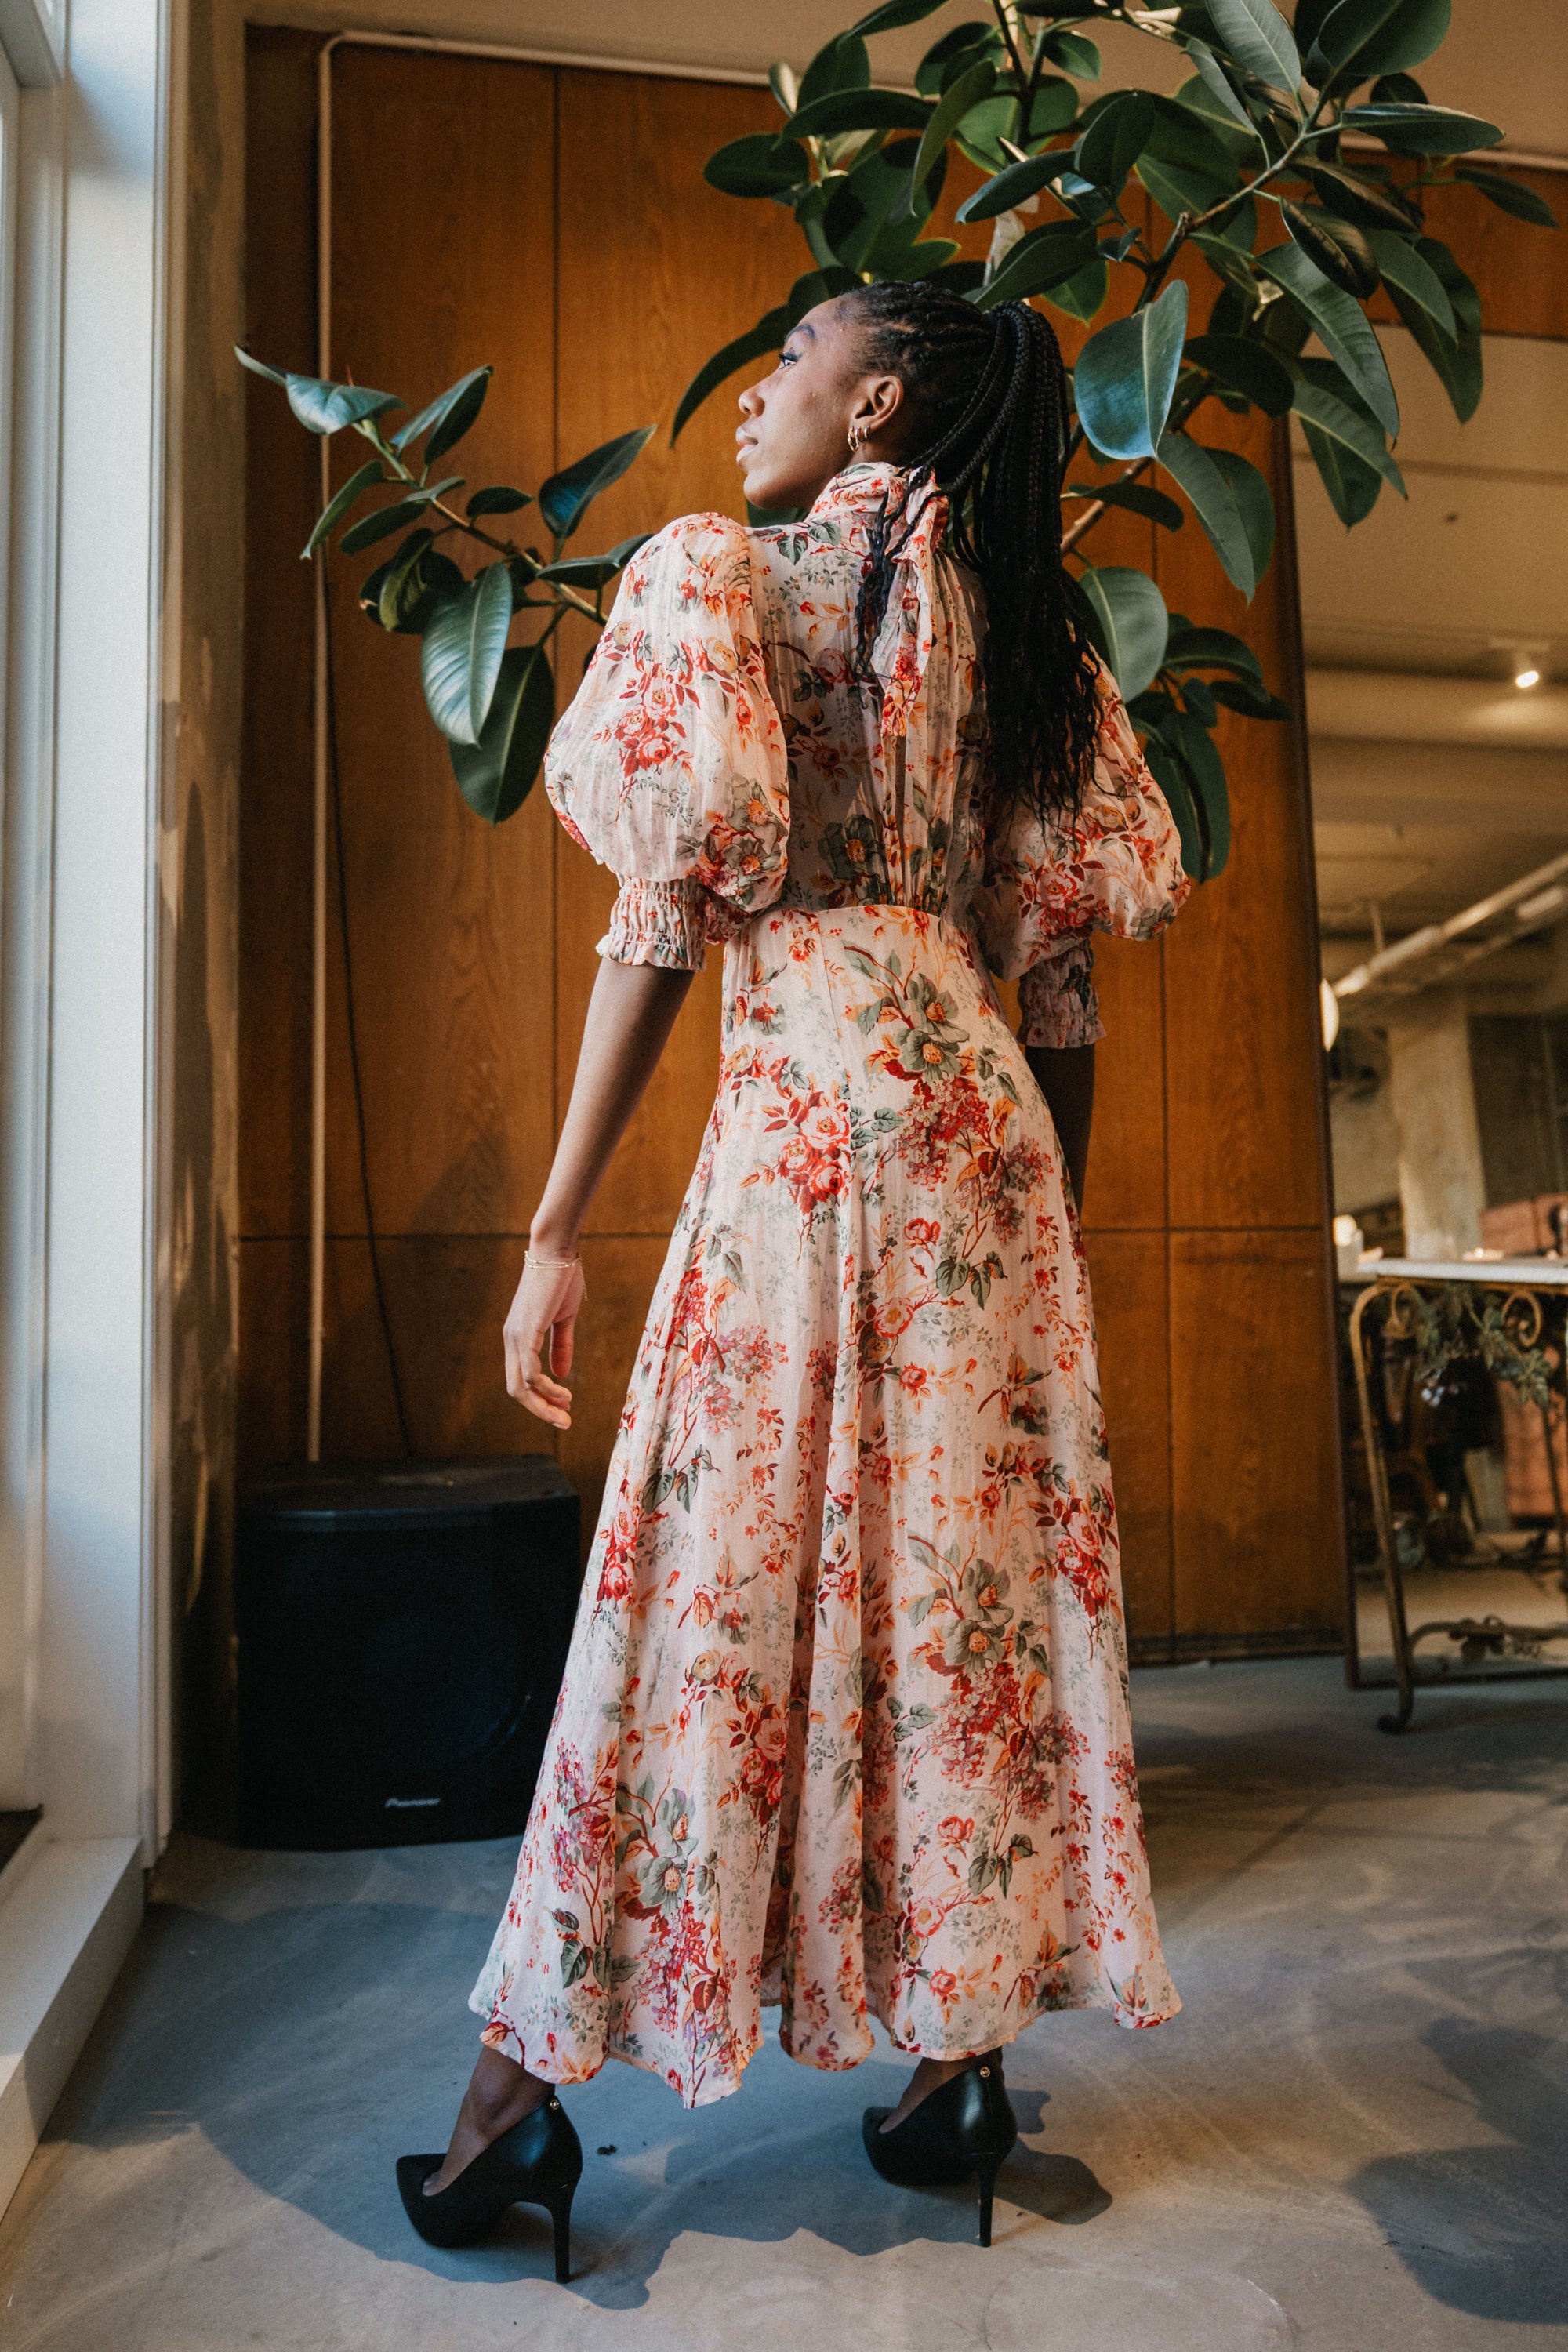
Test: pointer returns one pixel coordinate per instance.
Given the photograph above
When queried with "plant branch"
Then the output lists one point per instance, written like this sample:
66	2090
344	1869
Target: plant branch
1091	514
999	8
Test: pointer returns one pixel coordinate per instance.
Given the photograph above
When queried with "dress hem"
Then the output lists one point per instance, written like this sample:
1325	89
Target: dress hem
563	2075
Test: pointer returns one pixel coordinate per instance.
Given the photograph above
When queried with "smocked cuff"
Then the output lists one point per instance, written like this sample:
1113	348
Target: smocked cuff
663	923
1057	1003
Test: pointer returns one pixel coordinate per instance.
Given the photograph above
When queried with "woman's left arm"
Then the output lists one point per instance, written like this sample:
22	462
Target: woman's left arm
630	1015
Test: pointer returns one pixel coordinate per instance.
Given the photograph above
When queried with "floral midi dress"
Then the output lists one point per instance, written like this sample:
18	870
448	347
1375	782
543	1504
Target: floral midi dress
844	1722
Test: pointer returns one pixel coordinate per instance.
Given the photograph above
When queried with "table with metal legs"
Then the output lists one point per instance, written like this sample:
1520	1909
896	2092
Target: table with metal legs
1511	1314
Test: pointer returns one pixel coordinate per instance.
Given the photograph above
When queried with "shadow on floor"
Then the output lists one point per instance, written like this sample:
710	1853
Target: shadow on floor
313	2044
1481	2227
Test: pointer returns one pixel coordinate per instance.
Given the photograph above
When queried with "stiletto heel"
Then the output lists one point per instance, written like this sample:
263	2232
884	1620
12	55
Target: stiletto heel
538	2162
987	2169
561	2215
966	2126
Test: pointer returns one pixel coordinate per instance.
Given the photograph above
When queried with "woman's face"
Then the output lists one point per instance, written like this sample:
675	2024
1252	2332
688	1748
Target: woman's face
794	434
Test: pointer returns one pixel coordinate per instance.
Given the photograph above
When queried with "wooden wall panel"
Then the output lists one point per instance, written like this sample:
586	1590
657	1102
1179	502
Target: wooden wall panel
1125	1185
444	168
1517	268
658	270
274	787
474	950
1254	1442
1243	1041
1128	1273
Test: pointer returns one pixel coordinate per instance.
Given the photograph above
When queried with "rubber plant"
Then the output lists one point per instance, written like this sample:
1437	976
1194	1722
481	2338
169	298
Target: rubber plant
1294	229
493	701
1293	164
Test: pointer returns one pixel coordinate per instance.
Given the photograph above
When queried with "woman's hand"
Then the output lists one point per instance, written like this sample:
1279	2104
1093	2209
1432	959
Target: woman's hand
546	1305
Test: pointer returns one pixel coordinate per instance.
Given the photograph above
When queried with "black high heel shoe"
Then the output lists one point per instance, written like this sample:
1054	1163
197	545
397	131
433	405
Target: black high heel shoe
538	2162
967	2125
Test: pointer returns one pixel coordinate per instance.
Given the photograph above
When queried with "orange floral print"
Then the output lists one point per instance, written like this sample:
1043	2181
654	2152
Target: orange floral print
844	1727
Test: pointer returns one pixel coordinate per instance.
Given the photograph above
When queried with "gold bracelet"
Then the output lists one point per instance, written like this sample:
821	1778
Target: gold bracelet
558	1264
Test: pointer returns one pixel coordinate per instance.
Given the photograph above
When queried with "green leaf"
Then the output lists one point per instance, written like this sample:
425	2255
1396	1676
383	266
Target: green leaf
1509	196
1357	434
325	408
955	49
382	524
334	513
1130	621
1404	267
259	367
762	165
856	109
401	585
1188	648
895	13
495	774
589	571
448	418
1378	36
1200	755
1353	487
566	496
460	653
1184	167
1252	701
1082	296
1138	498
1456	363
1013	186
1337	247
984	127
1214	504
1045	258
1360	200
1126	374
1421	130
1215	81
1247	366
1074	54
859	202
498	500
1256	36
1115	139
1170	773
970	90
1255	504
842	63
1339	324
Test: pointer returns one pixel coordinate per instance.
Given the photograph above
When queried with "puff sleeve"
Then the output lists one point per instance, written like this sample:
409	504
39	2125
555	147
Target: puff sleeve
670	767
1046	888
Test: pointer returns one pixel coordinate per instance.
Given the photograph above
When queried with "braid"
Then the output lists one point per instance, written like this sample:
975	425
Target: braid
987	393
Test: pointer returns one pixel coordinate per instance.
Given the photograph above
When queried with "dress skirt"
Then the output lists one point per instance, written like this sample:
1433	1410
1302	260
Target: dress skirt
844	1726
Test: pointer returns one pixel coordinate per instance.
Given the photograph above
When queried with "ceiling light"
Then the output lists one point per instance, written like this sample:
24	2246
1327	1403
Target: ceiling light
1527	677
1329	1005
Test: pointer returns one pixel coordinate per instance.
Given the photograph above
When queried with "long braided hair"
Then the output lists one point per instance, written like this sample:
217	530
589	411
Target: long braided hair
987	393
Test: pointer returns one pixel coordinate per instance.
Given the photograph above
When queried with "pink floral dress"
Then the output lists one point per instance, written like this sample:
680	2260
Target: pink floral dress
844	1722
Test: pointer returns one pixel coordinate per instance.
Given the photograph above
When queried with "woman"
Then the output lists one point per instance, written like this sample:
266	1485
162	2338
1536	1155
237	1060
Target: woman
845	1721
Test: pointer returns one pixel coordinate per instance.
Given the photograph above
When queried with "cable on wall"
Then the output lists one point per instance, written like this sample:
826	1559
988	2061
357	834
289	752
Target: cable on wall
370	1235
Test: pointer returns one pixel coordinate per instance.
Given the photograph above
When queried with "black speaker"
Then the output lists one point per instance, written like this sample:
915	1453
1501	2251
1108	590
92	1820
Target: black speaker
401	1634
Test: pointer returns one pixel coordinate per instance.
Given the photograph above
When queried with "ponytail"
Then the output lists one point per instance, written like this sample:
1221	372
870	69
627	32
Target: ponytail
987	391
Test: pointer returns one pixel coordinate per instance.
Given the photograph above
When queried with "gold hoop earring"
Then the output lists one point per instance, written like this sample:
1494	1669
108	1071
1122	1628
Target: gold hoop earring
857	432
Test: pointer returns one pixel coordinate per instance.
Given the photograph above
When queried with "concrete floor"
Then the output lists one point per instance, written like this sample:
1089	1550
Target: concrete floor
1353	2139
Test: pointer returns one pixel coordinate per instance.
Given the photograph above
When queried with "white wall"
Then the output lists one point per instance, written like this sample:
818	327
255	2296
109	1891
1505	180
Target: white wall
81	934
